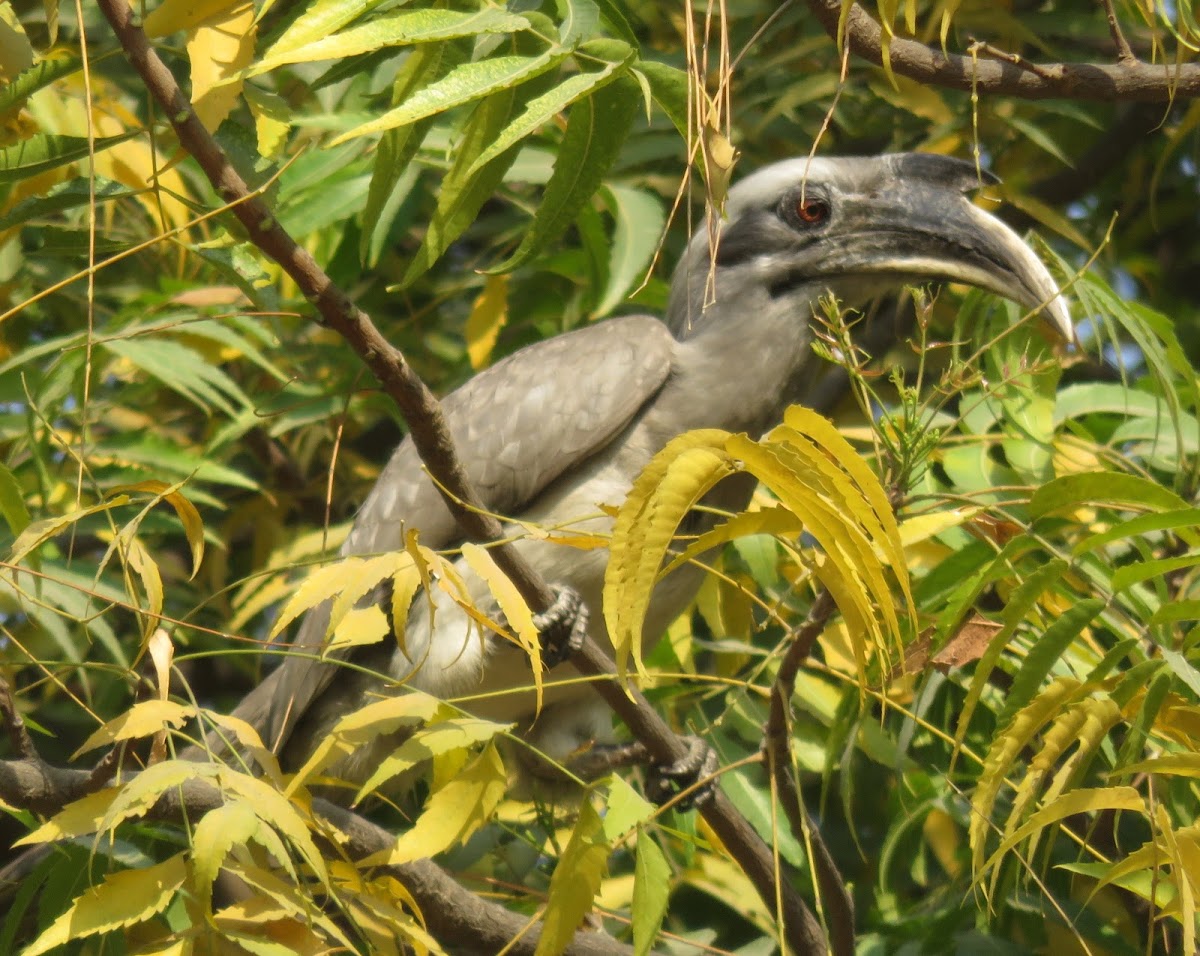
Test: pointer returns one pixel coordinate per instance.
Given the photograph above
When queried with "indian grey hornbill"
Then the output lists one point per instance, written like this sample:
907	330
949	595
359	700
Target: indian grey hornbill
558	429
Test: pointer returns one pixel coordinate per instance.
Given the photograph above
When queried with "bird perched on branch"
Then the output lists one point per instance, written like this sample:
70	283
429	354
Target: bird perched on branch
564	426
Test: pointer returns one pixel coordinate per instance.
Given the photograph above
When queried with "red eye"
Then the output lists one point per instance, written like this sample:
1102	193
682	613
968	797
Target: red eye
812	211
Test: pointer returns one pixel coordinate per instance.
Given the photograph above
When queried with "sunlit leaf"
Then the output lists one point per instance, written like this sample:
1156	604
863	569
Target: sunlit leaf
123	899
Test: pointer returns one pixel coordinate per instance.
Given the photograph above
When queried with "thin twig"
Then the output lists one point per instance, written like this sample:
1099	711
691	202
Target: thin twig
982	46
105	769
18	733
433	443
778	756
1125	54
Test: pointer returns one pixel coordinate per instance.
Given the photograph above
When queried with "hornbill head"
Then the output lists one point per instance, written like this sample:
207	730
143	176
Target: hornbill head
857	226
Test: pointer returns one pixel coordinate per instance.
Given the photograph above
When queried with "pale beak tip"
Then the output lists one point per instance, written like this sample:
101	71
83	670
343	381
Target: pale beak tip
1058	317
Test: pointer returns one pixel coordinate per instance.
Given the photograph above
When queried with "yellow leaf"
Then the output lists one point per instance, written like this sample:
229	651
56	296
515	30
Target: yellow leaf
512	605
453	813
141	720
82	816
214	836
367	576
189	517
249	741
363	725
576	881
147	571
219	49
847	565
668	487
1084	726
457	733
1003	755
720	156
1186	765
362	625
144	790
124	898
772	520
1069	804
488	316
319	586
942	834
171	16
161	652
39	531
272	120
16	52
922	527
277	899
277	810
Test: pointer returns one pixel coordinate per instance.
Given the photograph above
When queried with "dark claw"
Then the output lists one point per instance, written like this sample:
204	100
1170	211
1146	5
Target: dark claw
562	626
665	782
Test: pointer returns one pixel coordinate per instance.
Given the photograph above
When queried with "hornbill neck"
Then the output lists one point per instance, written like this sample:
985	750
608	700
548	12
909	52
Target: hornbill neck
746	357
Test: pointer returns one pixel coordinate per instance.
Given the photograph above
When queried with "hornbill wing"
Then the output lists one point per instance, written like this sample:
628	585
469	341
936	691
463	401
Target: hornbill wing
517	427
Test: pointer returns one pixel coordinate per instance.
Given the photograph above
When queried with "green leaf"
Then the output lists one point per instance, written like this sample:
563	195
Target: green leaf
1045	653
12	501
393	175
321	19
1076	401
466	186
669	86
639	222
1184	523
395	29
596	131
542	108
69	195
38	76
1103	487
44	152
1130	574
753	800
183	370
580	20
463	84
1039	137
1176	611
651	890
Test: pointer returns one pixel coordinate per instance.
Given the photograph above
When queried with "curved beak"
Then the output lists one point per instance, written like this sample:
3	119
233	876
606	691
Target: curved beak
923	232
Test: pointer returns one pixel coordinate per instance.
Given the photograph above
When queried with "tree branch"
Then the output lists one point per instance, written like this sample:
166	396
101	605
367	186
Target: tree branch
432	440
453	914
1129	79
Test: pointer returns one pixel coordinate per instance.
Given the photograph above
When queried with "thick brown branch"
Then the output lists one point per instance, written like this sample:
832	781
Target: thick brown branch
1126	80
432	440
459	918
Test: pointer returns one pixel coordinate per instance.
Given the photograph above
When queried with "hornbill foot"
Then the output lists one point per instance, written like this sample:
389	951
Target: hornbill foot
562	626
664	782
696	769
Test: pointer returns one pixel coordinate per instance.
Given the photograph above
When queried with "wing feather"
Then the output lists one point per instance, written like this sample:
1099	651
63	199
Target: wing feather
517	426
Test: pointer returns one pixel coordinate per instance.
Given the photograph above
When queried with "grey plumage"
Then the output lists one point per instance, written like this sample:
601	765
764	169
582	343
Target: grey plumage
562	427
